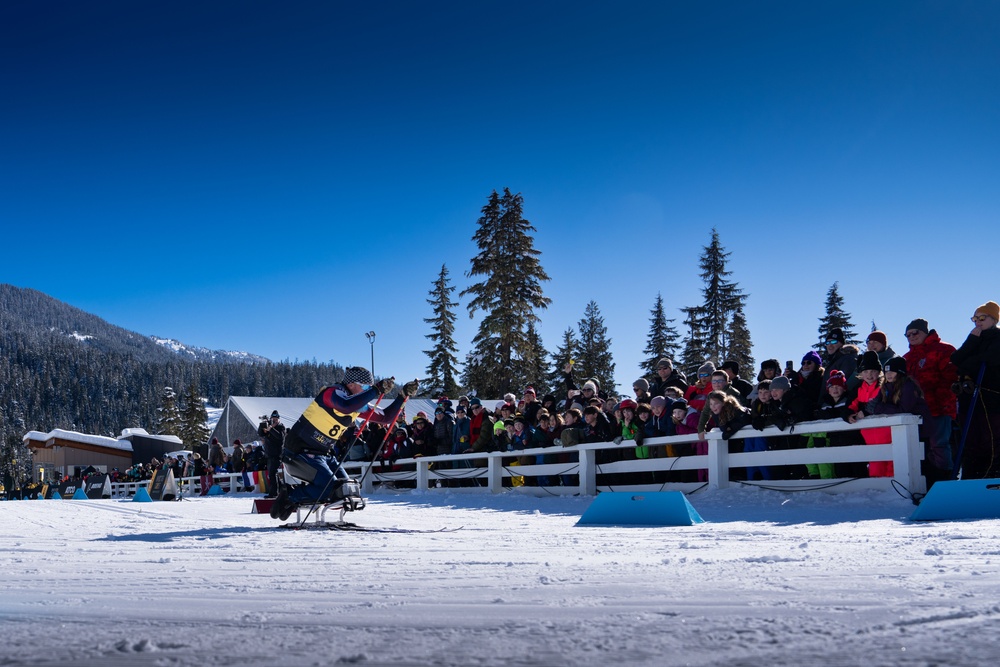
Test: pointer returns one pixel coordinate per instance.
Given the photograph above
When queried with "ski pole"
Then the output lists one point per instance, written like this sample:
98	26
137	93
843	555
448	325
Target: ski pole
968	421
385	439
340	463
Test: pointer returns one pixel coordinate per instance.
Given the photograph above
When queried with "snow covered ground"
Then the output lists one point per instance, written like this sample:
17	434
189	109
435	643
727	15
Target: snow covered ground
770	579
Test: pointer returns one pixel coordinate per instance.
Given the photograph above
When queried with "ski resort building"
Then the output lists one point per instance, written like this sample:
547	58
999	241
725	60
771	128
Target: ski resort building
61	452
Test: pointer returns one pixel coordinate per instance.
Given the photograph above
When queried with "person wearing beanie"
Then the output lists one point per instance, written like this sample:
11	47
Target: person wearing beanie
790	407
878	343
811	379
659	421
871	383
272	432
667	376
761	416
980	354
641	389
840	356
900	394
928	362
835	406
697	393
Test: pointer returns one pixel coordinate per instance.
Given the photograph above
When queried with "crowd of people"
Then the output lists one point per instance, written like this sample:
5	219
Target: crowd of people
947	387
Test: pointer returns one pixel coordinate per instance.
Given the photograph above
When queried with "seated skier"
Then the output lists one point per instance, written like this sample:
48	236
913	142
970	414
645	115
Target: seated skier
309	443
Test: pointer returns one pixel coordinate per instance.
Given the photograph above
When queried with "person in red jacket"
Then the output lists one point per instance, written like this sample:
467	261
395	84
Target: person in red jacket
929	363
872	378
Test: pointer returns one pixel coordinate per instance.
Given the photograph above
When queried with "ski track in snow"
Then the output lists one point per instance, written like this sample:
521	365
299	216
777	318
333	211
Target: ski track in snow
771	578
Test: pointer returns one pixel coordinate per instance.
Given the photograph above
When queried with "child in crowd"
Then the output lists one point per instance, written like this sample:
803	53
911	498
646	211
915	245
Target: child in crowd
871	384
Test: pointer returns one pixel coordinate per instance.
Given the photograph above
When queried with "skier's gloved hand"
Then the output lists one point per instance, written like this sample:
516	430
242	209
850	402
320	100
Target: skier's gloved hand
617	440
410	388
385	385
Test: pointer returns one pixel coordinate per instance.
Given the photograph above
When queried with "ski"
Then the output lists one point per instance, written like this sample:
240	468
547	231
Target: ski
348	526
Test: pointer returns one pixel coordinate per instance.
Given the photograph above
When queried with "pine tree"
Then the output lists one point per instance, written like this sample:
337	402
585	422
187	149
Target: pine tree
168	415
693	354
741	347
534	366
568	351
15	456
509	294
836	318
194	420
722	298
662	340
442	371
595	350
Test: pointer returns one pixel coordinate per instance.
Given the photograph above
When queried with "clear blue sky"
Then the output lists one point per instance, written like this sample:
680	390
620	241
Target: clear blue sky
282	177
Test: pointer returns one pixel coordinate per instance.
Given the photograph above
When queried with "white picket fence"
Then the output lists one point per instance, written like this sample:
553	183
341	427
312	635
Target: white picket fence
906	452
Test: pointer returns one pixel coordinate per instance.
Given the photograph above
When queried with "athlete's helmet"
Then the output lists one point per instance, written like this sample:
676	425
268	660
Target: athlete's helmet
359	375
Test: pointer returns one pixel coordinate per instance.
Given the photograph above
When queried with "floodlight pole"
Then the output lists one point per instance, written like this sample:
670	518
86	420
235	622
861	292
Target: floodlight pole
370	335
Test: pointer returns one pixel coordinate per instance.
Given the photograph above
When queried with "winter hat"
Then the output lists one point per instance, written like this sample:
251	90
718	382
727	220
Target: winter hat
589	385
664	363
237	442
813	356
896	365
358	375
770	363
781	382
920	324
730	365
215	441
706	368
837	379
679	404
460	410
990	308
879	337
475	401
658	402
530	390
274	413
870	362
837	334
641	383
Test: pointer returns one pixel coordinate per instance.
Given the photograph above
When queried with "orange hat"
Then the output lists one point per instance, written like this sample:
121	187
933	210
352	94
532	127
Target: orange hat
990	308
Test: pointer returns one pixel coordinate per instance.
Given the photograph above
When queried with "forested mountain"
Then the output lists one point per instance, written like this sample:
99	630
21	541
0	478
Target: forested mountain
61	367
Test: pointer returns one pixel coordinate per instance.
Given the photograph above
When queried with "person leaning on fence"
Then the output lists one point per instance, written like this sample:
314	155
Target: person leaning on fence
727	414
760	418
871	383
980	353
928	361
791	406
835	405
899	394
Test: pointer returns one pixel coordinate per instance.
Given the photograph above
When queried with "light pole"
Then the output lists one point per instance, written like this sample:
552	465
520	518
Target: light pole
370	335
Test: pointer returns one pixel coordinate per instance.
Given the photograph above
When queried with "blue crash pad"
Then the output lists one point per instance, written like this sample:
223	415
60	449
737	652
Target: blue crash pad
960	499
652	508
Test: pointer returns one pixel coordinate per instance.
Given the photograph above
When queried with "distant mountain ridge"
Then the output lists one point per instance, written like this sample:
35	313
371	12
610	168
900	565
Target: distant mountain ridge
61	367
28	311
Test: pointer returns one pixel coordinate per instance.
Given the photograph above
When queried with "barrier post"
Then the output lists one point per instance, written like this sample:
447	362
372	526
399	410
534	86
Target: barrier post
718	460
588	472
907	453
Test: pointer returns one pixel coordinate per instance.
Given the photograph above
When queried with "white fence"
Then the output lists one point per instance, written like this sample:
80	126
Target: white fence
489	469
189	486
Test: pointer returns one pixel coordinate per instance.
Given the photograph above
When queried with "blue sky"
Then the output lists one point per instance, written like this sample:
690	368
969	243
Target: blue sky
282	177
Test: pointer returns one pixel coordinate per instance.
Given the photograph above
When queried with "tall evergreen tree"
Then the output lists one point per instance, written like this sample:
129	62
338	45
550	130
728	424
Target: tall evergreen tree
662	340
15	457
535	369
835	318
741	347
442	371
509	293
194	419
693	354
595	349
168	415
722	299
568	351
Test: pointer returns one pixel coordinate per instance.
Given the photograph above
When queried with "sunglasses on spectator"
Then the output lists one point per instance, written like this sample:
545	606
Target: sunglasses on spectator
911	334
808	361
979	318
832	342
703	375
718	381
